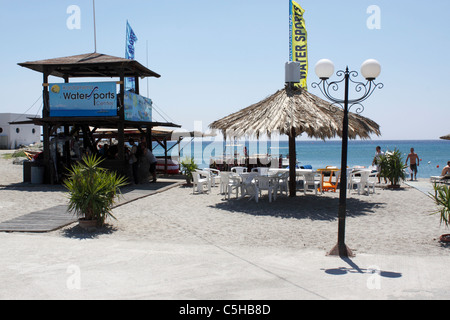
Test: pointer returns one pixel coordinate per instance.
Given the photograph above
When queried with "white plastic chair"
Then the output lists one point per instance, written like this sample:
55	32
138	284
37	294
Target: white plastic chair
224	180
200	183
349	178
354	178
362	182
239	170
248	186
234	184
266	183
282	182
372	181
309	180
262	171
215	176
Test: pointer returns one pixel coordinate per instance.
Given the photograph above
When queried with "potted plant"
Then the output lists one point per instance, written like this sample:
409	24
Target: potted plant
442	198
393	168
92	191
188	166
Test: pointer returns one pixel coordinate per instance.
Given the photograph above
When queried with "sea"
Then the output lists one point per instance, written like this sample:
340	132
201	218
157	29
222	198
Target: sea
433	154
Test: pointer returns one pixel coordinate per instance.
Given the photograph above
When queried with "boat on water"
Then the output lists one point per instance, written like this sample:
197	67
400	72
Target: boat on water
173	167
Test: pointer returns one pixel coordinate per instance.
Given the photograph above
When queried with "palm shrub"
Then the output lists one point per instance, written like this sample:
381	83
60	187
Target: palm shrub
393	167
92	189
442	199
188	166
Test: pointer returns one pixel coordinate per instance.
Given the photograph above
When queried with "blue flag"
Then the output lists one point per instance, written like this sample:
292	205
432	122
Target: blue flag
129	54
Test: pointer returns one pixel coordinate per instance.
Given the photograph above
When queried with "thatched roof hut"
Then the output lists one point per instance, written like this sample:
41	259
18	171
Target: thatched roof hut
299	110
294	112
90	65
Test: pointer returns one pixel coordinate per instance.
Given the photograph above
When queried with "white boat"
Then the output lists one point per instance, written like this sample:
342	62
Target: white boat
173	167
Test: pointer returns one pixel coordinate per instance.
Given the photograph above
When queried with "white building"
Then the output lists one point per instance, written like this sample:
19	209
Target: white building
14	135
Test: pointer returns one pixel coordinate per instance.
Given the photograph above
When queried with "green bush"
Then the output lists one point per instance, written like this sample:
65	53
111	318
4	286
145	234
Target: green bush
188	166
92	189
393	167
442	198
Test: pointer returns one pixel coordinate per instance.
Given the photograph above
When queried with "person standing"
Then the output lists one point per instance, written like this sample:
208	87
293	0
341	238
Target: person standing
134	160
147	153
414	162
377	162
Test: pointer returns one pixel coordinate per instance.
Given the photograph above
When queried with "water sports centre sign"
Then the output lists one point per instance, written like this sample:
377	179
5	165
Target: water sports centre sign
84	99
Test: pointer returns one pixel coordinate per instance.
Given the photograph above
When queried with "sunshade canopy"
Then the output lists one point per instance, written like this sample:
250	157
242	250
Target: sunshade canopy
297	111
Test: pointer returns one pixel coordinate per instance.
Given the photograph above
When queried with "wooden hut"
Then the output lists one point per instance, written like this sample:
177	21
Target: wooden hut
90	65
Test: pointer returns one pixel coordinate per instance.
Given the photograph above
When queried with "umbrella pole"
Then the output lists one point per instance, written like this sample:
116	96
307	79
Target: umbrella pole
292	163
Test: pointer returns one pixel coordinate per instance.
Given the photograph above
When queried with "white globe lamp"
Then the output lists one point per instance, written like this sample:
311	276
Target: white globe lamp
324	69
371	69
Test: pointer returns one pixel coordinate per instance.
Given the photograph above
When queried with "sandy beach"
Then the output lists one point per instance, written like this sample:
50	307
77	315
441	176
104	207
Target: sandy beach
389	223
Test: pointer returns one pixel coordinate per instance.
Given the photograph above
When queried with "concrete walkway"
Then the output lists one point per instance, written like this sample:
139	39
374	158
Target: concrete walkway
423	185
40	266
44	267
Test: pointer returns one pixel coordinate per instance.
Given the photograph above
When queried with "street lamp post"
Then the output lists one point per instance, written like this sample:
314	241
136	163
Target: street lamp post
370	70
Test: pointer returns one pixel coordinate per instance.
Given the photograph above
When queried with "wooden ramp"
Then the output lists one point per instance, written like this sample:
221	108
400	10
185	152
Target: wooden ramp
40	221
55	218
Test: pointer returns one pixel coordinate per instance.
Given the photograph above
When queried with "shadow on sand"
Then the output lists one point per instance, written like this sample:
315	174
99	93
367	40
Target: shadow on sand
354	268
301	207
76	232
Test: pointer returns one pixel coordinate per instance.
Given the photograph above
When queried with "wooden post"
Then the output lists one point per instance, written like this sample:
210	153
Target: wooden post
48	178
149	138
292	164
166	165
121	114
66	152
136	84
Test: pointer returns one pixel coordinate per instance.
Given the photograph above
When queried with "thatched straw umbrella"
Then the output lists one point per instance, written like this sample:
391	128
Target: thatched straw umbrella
293	112
447	137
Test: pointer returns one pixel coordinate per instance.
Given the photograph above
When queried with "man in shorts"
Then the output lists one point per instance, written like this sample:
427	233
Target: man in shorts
413	163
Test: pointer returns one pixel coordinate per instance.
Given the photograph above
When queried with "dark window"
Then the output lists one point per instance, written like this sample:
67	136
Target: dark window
17	130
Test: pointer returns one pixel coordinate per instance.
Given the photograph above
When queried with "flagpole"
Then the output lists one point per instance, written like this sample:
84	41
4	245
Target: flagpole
95	30
147	67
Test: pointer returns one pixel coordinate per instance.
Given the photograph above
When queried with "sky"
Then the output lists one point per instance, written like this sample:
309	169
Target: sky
217	57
